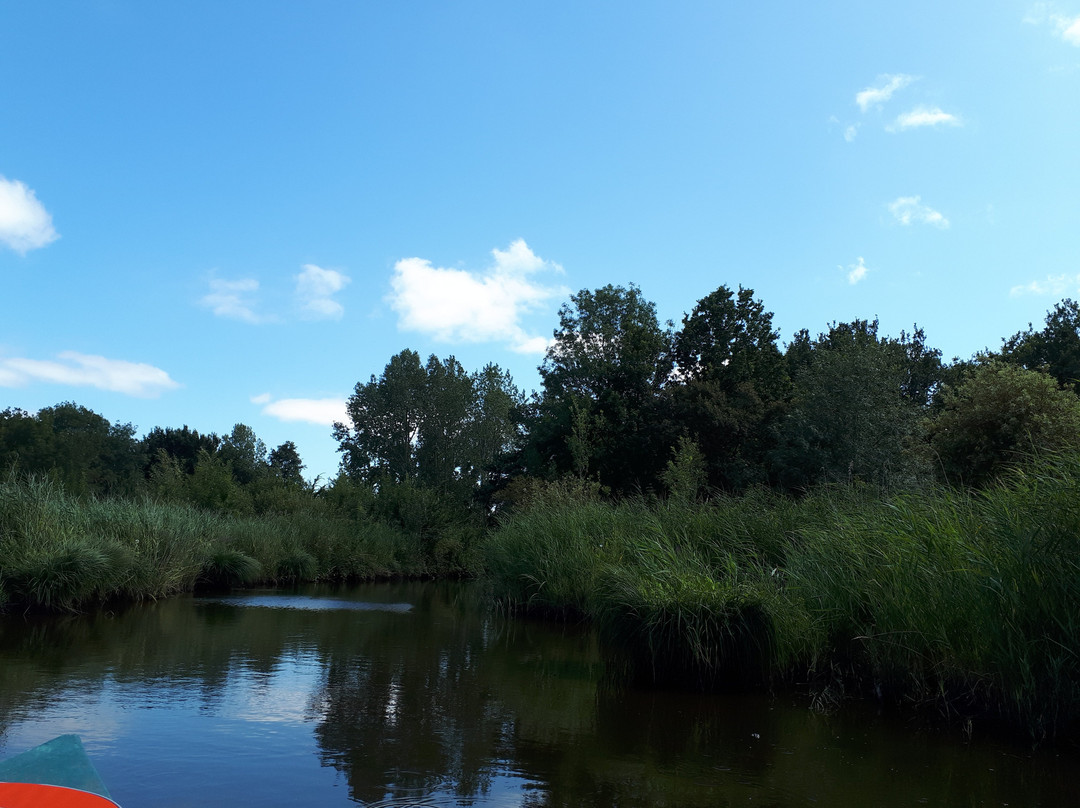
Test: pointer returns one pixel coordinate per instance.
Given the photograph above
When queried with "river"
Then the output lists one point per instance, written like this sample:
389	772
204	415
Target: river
414	694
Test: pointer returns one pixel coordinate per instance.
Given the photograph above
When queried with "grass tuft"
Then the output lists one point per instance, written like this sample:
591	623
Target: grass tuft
970	601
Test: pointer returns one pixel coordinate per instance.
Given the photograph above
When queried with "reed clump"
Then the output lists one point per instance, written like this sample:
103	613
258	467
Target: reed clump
62	552
966	600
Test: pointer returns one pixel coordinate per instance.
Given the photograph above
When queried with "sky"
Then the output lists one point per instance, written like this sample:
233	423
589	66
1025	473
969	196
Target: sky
220	213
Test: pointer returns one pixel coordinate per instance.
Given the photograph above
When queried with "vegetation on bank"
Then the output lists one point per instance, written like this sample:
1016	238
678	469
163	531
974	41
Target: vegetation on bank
848	507
970	600
63	552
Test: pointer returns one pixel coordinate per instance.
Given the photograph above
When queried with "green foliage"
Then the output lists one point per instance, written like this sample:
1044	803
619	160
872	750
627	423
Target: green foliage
1000	415
74	445
608	342
685	588
729	338
968	601
435	424
63	552
298	565
857	409
62	576
229	567
732	386
1055	349
181	445
685	475
244	454
599	413
285	464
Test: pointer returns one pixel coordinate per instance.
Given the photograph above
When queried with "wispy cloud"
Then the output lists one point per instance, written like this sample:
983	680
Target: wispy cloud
315	288
909	209
85	370
857	271
322	411
233	299
876	96
849	131
1066	26
1069	29
924	116
456	305
24	223
1052	285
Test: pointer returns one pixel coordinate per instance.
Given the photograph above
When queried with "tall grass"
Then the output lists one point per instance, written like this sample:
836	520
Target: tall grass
967	600
63	552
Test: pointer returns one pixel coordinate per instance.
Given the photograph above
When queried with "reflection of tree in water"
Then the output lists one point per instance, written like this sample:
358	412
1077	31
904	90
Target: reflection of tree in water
408	708
449	702
446	699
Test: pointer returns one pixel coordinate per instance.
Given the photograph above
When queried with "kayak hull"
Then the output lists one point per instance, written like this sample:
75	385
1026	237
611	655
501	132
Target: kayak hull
36	795
56	773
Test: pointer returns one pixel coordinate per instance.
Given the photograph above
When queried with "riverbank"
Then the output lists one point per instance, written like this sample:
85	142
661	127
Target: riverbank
966	601
61	552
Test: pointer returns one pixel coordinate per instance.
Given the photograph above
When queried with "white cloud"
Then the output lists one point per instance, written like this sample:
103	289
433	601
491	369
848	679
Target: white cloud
876	96
315	288
24	222
1055	285
458	305
322	411
908	209
233	299
84	370
1067	27
924	116
857	271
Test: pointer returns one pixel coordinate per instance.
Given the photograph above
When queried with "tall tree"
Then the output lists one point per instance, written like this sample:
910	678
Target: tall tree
245	453
495	427
858	403
732	385
434	424
602	378
385	415
1055	349
183	445
442	445
75	445
285	463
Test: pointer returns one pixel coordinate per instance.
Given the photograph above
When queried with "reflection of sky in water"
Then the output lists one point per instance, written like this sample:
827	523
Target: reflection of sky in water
95	718
269	700
244	736
305	603
283	695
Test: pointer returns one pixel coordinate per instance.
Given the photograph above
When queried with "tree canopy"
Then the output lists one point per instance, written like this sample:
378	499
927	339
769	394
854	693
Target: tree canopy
1000	415
435	424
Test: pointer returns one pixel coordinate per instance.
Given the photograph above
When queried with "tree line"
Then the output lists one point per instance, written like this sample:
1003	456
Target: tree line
636	406
628	405
89	455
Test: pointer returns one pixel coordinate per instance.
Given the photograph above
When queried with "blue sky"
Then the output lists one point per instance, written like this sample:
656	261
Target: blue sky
214	213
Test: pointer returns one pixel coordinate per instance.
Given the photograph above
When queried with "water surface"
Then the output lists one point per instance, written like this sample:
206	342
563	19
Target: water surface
398	695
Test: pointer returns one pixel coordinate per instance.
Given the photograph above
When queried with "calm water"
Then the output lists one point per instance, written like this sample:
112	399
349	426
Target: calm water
409	695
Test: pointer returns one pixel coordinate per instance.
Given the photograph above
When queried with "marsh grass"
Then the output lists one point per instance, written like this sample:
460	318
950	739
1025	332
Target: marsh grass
60	552
966	602
228	567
